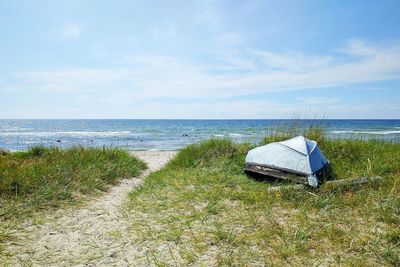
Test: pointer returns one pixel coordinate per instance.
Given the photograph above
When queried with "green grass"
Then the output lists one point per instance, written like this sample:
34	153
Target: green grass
42	178
202	209
39	180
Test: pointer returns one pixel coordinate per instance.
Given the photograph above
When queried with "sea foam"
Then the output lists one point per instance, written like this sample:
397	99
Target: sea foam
66	133
367	132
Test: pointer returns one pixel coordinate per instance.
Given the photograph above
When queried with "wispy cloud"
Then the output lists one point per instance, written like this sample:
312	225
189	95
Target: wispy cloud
292	61
266	71
318	100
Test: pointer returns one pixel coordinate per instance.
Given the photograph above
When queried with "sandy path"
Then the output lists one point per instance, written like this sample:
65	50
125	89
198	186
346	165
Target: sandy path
95	235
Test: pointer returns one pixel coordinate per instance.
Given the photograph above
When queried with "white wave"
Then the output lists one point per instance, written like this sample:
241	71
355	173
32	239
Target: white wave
68	133
235	134
14	129
367	132
218	135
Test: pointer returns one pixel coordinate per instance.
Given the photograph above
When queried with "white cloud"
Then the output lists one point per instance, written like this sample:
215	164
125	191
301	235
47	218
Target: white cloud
318	100
152	76
73	80
71	31
147	77
292	61
357	47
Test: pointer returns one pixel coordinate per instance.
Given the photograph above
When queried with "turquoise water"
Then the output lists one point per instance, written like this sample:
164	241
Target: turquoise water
172	134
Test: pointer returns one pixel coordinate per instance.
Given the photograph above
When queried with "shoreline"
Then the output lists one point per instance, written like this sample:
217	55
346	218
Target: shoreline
171	135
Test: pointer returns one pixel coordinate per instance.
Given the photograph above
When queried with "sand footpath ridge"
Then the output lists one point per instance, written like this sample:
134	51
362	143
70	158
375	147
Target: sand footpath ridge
94	235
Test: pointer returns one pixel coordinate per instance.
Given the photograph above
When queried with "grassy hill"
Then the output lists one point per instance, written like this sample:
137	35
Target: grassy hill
202	209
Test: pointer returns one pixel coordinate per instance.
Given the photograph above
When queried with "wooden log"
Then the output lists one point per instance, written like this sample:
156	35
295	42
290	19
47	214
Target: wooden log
333	183
287	187
356	181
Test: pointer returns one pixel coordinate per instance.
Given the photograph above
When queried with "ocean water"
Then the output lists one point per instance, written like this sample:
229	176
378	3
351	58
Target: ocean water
173	134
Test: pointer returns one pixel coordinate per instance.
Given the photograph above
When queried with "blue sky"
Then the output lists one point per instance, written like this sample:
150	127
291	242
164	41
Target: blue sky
199	59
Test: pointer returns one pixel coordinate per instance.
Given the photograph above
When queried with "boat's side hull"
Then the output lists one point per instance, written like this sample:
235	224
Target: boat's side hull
281	174
323	174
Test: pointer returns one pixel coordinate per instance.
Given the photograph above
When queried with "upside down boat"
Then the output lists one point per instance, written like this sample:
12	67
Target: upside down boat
298	159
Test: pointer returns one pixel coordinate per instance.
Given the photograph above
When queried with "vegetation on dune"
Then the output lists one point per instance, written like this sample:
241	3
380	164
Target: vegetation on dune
42	177
202	208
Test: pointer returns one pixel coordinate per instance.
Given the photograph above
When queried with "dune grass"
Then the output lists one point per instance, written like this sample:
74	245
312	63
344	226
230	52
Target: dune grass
42	179
202	209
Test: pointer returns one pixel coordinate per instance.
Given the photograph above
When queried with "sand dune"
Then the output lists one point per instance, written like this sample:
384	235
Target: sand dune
94	235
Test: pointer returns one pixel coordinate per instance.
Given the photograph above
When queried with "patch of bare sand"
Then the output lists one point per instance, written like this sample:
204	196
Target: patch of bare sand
94	235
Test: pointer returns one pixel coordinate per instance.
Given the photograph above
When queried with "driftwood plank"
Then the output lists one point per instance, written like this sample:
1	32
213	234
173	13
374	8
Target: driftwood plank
283	187
357	181
333	183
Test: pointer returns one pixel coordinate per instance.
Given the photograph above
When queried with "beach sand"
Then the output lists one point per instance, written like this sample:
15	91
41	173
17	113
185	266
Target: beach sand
93	235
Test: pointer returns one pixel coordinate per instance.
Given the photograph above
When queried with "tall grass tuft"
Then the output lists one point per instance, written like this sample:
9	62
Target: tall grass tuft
207	154
48	177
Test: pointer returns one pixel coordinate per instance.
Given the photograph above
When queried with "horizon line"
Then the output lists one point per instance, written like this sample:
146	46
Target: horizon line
188	119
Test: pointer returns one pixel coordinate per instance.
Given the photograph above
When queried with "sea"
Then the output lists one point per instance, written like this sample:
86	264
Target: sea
158	135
